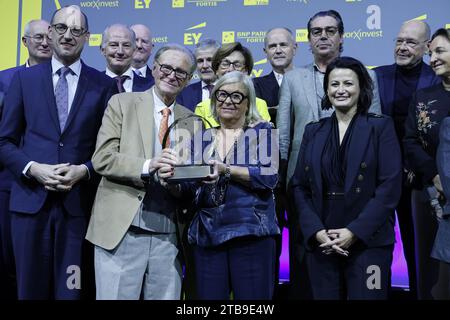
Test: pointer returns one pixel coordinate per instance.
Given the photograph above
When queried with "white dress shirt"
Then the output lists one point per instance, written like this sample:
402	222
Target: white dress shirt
142	71
128	83
72	78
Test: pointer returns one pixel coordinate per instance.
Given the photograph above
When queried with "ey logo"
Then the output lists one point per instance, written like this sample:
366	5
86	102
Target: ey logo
177	3
301	35
227	36
191	38
142	4
256	72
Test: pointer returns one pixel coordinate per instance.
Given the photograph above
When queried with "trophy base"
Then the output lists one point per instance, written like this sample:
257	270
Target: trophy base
189	173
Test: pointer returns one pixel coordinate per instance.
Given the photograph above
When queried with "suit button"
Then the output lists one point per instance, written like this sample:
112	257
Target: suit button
139	197
360	177
61	144
358	190
307	168
363	165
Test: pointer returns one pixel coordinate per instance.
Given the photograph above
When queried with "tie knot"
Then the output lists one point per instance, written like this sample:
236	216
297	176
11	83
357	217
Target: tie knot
166	112
138	72
209	87
64	71
121	79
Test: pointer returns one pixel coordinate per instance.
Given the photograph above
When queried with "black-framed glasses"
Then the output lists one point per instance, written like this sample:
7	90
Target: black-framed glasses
411	43
225	64
167	70
329	31
38	38
236	97
61	28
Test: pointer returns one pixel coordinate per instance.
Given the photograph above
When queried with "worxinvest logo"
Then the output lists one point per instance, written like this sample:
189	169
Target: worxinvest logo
191	38
373	24
98	4
256	2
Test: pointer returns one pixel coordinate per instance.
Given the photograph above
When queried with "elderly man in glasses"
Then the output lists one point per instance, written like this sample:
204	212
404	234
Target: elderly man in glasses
133	225
50	121
397	83
36	41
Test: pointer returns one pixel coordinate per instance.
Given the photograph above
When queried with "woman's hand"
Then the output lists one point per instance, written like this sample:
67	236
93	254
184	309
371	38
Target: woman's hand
344	238
218	169
327	243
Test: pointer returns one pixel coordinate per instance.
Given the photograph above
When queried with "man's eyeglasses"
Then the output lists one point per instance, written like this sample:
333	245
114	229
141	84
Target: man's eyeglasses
38	38
236	97
408	42
225	64
167	70
329	31
61	28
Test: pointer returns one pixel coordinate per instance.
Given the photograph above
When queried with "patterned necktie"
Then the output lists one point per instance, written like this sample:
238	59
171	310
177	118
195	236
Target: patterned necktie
62	96
209	87
164	126
120	80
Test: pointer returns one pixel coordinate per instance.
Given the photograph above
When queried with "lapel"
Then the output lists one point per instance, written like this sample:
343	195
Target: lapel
426	77
82	86
309	85
319	140
50	94
357	149
198	93
144	111
140	84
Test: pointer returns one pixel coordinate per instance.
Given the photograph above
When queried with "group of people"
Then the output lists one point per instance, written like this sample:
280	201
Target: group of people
330	150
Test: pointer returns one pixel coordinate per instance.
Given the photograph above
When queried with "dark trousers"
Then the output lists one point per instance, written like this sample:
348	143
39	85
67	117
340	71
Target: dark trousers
244	266
48	252
7	268
335	277
405	222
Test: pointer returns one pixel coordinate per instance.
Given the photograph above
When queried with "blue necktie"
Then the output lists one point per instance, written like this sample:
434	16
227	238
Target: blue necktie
62	96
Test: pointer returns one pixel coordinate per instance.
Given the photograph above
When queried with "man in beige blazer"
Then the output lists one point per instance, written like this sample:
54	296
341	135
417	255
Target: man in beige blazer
133	224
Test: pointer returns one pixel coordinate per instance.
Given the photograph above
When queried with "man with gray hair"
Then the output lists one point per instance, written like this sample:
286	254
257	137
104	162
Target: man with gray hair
133	225
201	90
118	47
397	83
144	47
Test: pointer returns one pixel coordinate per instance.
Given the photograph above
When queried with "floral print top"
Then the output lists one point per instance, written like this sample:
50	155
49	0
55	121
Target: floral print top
427	110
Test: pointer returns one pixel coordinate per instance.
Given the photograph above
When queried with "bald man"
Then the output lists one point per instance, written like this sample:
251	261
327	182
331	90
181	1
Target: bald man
397	83
144	47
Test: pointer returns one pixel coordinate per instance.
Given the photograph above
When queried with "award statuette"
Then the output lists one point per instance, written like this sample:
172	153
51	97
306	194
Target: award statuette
186	171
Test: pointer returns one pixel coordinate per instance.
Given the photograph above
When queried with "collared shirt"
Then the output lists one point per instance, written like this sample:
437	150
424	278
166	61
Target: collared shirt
72	77
159	105
205	91
128	83
142	71
278	77
319	77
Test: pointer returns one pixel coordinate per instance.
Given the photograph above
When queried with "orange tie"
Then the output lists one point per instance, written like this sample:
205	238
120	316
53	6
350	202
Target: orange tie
164	126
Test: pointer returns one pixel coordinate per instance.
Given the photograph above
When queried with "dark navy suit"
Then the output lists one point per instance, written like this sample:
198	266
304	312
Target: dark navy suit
386	76
7	268
48	228
267	88
140	84
372	190
191	95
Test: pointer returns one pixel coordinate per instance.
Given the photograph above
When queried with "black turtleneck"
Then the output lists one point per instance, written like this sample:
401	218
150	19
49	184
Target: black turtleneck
406	80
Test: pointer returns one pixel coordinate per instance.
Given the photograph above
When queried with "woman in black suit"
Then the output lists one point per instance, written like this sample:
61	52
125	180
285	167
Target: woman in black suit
346	186
427	110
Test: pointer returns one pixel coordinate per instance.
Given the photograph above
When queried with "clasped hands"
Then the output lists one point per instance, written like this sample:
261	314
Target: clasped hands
335	241
165	164
57	177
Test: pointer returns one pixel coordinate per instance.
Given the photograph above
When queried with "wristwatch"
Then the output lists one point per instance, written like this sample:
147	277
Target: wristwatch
227	174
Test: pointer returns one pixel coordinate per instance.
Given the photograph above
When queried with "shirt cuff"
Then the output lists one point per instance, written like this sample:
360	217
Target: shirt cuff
88	173
27	167
146	166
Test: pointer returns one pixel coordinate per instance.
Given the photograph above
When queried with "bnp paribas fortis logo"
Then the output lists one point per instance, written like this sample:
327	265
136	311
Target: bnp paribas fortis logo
197	3
256	2
301	35
193	37
228	36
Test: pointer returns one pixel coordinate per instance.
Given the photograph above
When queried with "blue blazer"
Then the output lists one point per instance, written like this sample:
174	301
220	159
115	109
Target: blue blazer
267	88
140	84
30	131
386	84
443	160
372	182
190	96
5	80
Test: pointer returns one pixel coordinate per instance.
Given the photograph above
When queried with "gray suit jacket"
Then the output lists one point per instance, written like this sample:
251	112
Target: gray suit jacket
298	106
124	142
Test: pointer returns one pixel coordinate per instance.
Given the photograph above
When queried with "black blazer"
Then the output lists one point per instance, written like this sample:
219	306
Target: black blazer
372	181
191	95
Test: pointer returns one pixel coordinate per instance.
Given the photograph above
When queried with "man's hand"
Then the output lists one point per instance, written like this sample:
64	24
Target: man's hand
437	183
70	175
344	238
47	174
164	164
